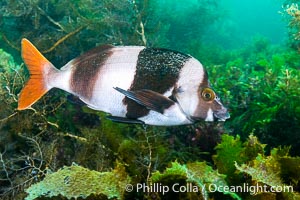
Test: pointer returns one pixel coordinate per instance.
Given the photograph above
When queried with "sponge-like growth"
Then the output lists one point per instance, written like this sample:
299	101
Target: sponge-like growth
76	181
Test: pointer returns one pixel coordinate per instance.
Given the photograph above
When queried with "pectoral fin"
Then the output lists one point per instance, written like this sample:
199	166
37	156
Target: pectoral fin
148	98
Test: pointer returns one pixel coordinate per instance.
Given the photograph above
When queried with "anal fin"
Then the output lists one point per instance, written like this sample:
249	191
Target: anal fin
124	120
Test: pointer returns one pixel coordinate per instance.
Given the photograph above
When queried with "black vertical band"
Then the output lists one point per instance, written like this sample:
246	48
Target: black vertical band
157	70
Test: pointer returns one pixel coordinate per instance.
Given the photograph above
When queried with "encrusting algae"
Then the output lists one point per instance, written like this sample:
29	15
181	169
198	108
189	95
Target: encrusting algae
79	182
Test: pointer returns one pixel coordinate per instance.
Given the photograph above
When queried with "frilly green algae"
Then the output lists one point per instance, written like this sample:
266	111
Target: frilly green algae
273	169
228	152
264	170
76	181
231	150
197	173
248	163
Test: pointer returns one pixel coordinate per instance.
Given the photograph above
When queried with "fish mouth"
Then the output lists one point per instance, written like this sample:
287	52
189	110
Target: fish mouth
221	116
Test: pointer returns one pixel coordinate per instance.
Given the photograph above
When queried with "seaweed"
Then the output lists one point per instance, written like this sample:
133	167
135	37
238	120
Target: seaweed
263	171
272	170
78	182
198	177
228	152
261	88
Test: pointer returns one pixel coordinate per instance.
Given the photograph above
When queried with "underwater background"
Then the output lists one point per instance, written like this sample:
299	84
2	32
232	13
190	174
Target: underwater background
61	149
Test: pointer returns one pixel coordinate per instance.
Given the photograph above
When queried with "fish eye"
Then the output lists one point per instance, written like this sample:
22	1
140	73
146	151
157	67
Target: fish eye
208	94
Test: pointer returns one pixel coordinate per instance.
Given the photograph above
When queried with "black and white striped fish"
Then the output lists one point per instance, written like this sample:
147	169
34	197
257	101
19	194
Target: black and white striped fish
133	84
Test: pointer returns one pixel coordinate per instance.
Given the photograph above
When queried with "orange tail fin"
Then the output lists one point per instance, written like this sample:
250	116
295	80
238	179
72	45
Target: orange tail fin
38	67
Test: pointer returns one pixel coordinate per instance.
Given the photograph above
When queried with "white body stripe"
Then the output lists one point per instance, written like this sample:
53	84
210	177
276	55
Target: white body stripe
189	80
117	71
172	116
60	79
210	115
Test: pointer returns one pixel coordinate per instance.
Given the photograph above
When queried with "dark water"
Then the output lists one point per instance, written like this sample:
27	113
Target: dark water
249	50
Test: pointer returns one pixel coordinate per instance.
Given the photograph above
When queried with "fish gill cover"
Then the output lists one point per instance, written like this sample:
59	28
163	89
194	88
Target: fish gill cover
256	76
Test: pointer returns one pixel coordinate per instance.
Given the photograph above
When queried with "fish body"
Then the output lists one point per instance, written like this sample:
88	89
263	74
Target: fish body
134	84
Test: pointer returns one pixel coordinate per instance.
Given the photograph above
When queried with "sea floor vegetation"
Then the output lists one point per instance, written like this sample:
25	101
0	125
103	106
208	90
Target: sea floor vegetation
61	149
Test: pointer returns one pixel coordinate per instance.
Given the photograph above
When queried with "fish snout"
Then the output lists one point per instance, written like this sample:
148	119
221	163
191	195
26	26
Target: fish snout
221	114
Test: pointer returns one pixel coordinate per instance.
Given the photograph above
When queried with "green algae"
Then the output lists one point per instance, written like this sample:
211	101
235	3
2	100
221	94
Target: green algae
7	63
228	152
76	181
272	170
249	159
199	174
